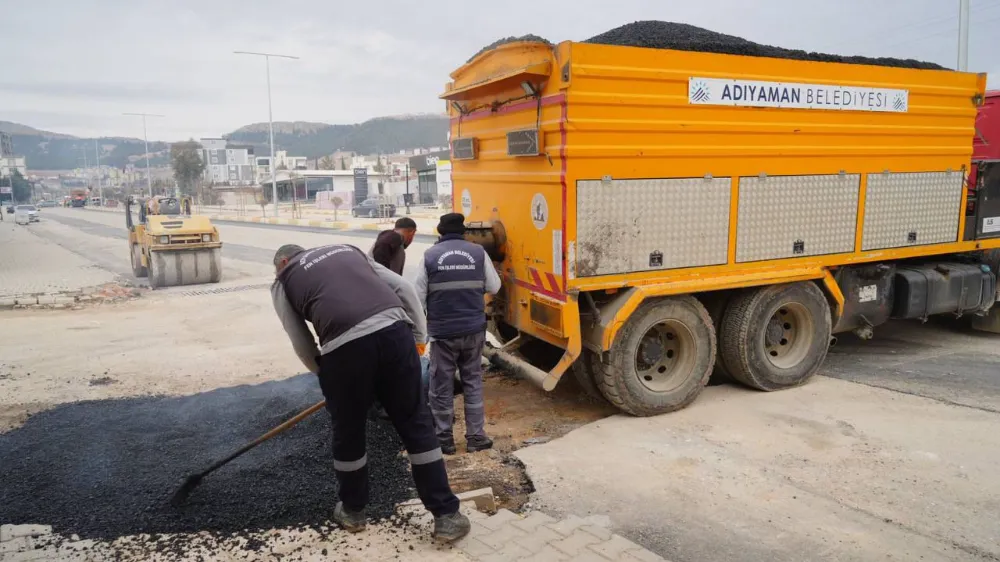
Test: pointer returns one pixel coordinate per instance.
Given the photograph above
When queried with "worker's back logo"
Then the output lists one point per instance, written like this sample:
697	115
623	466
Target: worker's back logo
539	211
463	256
899	103
700	92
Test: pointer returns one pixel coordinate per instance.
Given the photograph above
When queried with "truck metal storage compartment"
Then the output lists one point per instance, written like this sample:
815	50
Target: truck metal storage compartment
940	288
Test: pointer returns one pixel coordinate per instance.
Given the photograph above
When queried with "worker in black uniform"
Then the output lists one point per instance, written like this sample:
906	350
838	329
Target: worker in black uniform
370	325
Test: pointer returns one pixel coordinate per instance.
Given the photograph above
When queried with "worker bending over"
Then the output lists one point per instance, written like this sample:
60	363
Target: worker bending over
370	327
451	284
389	248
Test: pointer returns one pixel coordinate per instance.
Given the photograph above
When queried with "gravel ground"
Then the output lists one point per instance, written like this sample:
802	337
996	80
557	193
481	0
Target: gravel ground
505	40
104	469
684	37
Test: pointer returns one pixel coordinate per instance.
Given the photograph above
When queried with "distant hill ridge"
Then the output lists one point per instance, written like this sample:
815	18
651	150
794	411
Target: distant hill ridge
45	150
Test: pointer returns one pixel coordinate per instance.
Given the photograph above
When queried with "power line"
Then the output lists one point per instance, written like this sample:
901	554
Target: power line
879	34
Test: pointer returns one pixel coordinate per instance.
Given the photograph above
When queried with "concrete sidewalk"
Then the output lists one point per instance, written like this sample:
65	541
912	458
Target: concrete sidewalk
503	537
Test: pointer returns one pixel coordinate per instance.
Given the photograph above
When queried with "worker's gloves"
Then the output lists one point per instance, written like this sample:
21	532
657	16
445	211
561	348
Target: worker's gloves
421	349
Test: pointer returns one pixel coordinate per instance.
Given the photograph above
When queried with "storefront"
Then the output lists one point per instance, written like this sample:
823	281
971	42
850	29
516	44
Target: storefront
433	172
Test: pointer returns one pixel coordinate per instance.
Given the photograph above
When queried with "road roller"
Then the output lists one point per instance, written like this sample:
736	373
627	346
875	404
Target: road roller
170	246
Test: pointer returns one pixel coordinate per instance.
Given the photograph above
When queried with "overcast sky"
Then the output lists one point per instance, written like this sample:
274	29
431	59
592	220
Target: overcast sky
74	67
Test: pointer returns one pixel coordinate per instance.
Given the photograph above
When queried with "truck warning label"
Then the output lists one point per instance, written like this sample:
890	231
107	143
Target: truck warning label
539	211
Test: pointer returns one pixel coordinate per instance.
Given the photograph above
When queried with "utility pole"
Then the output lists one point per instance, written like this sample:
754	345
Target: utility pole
145	138
100	184
407	187
270	118
963	35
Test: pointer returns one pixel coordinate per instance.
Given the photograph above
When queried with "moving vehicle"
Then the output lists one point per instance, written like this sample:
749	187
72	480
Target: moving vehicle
984	186
373	208
171	247
660	214
46	204
10	209
28	210
77	197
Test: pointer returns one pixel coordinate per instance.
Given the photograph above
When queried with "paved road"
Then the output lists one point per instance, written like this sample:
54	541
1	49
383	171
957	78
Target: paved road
891	454
241	242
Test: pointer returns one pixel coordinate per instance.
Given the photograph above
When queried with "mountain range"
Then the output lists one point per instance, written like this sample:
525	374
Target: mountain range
45	150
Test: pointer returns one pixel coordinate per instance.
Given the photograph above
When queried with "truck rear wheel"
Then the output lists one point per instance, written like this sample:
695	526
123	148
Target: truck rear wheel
661	359
775	337
138	269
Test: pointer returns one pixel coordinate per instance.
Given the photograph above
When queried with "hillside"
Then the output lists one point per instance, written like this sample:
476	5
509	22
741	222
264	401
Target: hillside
53	151
45	150
19	129
313	140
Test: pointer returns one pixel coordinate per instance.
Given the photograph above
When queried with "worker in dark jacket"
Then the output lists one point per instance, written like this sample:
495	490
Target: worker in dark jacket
389	250
371	328
390	246
451	284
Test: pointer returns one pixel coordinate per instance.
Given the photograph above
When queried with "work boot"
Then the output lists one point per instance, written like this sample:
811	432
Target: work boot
451	527
350	521
478	443
447	446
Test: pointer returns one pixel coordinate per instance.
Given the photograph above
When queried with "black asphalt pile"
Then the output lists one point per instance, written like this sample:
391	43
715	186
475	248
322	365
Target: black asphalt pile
104	469
505	40
684	37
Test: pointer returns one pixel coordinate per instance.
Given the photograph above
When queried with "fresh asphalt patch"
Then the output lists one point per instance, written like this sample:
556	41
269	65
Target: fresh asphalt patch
108	468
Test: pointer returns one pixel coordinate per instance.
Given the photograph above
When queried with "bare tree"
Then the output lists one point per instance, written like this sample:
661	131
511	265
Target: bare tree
337	202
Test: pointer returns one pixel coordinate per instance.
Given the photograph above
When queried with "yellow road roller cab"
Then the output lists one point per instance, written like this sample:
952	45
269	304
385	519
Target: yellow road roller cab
169	245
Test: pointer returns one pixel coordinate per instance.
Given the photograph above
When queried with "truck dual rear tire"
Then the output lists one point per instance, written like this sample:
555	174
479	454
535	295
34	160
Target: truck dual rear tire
661	359
775	337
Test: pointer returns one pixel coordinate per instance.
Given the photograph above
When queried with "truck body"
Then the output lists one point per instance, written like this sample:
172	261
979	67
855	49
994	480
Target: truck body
77	197
660	214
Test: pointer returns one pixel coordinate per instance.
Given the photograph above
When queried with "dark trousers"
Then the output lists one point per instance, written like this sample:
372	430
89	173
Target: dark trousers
463	354
383	365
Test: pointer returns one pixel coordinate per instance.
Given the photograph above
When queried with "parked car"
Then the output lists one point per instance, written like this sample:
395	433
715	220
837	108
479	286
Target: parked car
29	210
10	209
372	208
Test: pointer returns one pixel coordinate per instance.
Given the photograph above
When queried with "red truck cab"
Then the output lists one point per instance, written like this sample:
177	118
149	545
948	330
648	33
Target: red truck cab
983	206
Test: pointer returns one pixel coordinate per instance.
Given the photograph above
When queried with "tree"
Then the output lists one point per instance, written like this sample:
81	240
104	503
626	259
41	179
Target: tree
343	163
326	163
21	188
337	202
379	166
187	164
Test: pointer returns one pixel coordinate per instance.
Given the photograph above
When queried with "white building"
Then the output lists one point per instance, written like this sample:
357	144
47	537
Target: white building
10	163
227	164
282	161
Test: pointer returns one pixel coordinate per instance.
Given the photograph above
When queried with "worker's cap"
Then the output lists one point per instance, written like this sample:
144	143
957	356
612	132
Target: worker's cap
452	223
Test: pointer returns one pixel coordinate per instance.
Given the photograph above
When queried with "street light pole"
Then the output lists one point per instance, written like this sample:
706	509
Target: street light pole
145	138
963	35
100	184
270	119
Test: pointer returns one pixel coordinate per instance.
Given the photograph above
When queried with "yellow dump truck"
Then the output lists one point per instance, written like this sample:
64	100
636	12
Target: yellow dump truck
659	214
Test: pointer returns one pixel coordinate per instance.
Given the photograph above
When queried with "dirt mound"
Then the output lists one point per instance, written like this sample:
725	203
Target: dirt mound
684	37
103	469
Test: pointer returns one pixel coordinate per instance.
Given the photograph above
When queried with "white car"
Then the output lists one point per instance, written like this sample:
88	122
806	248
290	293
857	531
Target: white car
30	210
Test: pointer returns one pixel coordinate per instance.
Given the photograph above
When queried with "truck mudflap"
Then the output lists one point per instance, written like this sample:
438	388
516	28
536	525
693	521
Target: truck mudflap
560	327
505	359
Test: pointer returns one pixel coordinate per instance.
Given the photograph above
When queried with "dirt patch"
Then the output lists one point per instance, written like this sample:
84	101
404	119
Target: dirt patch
518	414
102	381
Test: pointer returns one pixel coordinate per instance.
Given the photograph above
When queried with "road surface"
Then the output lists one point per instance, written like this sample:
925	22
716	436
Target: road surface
892	453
